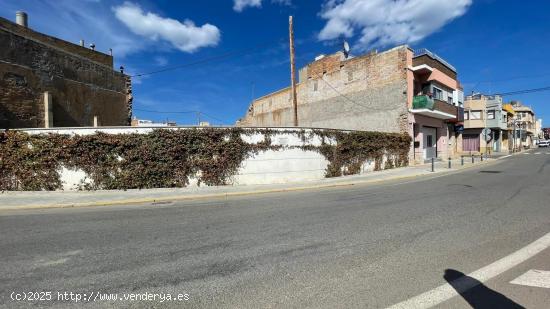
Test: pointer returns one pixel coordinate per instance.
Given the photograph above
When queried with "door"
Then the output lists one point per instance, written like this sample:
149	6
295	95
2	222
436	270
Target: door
429	142
470	142
497	140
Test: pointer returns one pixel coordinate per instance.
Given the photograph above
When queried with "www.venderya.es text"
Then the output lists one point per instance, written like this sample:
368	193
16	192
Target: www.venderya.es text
67	296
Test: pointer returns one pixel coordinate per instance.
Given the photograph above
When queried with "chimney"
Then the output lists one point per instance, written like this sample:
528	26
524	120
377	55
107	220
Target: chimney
21	19
82	43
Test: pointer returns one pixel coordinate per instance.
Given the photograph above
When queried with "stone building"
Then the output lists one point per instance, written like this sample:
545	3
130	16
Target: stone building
397	90
48	82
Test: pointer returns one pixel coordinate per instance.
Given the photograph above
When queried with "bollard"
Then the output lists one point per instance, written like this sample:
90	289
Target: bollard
433	165
449	162
461	160
481	156
472	159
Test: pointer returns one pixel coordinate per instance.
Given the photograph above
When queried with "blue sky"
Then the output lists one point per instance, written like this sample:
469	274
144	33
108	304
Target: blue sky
496	46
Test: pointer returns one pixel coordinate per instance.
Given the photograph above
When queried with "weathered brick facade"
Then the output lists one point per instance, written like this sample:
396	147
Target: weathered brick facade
81	81
375	92
368	92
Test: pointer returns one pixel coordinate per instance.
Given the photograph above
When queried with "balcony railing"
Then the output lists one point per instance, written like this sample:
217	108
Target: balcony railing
424	51
437	108
423	101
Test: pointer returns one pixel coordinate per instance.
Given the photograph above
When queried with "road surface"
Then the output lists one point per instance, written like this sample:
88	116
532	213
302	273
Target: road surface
369	246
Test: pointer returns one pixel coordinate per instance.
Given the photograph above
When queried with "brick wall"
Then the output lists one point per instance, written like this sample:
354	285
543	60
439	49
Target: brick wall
368	92
82	82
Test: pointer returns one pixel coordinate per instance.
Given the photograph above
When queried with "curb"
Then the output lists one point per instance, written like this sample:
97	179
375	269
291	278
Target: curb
243	193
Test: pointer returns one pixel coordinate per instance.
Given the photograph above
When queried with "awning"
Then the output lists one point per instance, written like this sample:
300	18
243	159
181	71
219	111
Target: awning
508	108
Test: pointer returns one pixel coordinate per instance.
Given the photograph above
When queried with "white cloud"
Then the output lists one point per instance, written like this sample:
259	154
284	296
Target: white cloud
388	22
184	36
240	5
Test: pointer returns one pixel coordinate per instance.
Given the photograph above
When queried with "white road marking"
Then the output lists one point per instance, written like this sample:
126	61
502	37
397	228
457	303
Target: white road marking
506	156
537	153
536	278
526	153
446	291
52	262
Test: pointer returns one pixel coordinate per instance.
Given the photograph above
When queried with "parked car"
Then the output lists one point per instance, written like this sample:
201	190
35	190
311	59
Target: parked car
544	143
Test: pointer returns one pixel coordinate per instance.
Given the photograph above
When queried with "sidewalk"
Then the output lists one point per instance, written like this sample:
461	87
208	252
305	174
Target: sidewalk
58	199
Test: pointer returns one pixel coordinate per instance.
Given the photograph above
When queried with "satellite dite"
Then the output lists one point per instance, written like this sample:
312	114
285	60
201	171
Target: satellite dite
346	49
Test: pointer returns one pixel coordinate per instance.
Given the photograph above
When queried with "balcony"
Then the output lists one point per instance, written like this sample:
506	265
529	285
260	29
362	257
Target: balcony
426	106
496	123
424	51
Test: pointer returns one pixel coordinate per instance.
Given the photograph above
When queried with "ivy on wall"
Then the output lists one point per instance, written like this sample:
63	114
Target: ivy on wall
348	151
170	158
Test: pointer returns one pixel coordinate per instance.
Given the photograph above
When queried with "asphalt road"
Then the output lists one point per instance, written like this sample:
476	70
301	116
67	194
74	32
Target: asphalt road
360	246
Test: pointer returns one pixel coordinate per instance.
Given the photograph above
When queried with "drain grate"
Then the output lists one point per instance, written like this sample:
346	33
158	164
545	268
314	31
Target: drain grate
491	172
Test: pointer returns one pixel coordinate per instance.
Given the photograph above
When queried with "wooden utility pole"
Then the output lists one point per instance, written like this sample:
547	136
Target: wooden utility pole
292	72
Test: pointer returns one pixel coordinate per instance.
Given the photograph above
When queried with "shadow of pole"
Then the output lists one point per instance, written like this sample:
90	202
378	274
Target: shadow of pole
476	293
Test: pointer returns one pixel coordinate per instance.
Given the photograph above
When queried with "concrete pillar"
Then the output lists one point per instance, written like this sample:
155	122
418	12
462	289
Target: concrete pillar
96	122
48	110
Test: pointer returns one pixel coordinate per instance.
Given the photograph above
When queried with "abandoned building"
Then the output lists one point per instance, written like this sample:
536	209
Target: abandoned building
49	82
398	90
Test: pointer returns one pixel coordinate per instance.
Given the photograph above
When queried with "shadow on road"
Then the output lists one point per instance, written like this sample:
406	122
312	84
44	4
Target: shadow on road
476	293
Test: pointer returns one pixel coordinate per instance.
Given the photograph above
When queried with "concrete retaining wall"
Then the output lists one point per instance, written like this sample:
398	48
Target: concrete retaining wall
289	164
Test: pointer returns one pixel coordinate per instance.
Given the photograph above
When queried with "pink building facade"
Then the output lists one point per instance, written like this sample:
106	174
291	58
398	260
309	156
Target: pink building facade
435	100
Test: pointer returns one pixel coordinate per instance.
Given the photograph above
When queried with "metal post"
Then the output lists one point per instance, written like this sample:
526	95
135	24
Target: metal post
472	159
449	162
514	140
433	168
461	160
481	156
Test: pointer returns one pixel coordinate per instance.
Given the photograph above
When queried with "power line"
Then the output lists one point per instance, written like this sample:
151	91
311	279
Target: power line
210	116
181	112
234	53
508	79
164	112
341	94
525	91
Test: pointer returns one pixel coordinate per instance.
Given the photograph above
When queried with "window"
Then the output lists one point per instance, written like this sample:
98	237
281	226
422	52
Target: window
437	94
491	114
450	100
475	115
315	86
466	115
429	141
